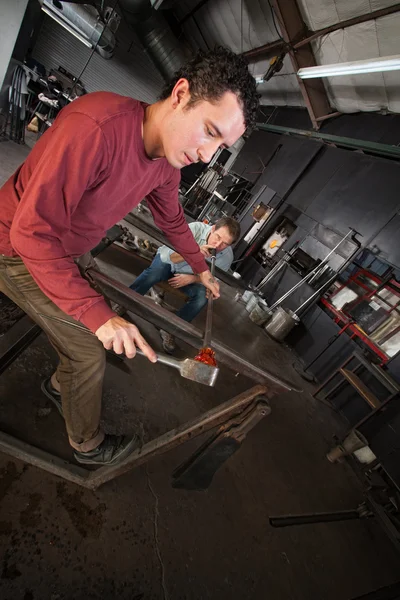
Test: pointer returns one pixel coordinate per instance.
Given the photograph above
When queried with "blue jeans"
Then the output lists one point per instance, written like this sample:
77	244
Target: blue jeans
160	271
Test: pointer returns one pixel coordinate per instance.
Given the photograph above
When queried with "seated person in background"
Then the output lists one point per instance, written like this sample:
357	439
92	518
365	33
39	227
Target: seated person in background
172	267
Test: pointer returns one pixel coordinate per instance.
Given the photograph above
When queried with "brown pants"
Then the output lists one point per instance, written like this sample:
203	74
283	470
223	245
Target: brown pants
82	357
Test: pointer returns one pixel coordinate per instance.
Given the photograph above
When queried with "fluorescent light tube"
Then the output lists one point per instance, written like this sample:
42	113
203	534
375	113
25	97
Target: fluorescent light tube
357	67
67	27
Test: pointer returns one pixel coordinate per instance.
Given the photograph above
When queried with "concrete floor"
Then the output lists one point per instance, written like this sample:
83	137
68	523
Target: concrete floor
137	537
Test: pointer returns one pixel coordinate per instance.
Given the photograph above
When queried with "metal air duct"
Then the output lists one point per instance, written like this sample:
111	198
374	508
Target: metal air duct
84	22
155	34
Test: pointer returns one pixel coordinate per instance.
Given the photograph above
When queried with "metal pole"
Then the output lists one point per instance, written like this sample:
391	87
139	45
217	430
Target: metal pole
316	293
327	284
303	372
207	334
311	273
328	517
277	267
203	213
271	274
319	273
192	186
43	460
294	288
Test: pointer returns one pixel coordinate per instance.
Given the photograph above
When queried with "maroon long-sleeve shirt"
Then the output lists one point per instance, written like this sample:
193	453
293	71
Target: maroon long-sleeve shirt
83	175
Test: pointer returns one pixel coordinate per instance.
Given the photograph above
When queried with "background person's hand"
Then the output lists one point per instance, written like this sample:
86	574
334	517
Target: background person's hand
180	280
205	250
210	283
123	337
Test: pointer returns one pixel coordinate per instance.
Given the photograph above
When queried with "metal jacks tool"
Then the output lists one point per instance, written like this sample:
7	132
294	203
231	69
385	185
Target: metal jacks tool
189	368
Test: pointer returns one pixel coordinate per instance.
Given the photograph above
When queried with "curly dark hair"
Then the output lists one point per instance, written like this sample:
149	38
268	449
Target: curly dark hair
211	74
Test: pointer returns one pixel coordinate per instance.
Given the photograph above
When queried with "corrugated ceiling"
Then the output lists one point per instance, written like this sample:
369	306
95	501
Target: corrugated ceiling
244	25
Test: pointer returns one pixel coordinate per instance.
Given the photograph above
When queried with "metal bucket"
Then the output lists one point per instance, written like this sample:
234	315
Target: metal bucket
281	324
247	295
260	313
239	298
252	302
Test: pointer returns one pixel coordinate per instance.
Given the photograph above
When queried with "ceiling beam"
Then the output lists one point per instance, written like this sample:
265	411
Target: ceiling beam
266	51
375	148
375	14
192	12
293	28
278	46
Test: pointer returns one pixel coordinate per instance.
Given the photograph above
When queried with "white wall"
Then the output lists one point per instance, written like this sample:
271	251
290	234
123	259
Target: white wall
11	15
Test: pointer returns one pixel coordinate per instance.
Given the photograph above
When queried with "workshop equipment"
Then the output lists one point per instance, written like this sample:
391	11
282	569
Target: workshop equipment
279	265
260	313
352	443
372	303
251	302
188	367
283	320
281	324
304	371
316	293
314	271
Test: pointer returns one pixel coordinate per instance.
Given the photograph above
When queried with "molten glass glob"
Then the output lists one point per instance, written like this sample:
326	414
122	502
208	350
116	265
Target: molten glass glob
206	356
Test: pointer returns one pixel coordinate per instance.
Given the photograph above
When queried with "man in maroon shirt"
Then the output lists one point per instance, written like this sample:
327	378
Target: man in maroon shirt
102	156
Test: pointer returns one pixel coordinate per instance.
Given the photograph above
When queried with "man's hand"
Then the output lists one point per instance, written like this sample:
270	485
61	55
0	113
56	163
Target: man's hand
205	250
178	281
210	283
123	337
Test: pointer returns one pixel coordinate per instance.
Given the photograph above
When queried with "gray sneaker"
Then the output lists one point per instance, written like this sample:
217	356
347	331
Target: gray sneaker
113	449
168	341
52	394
